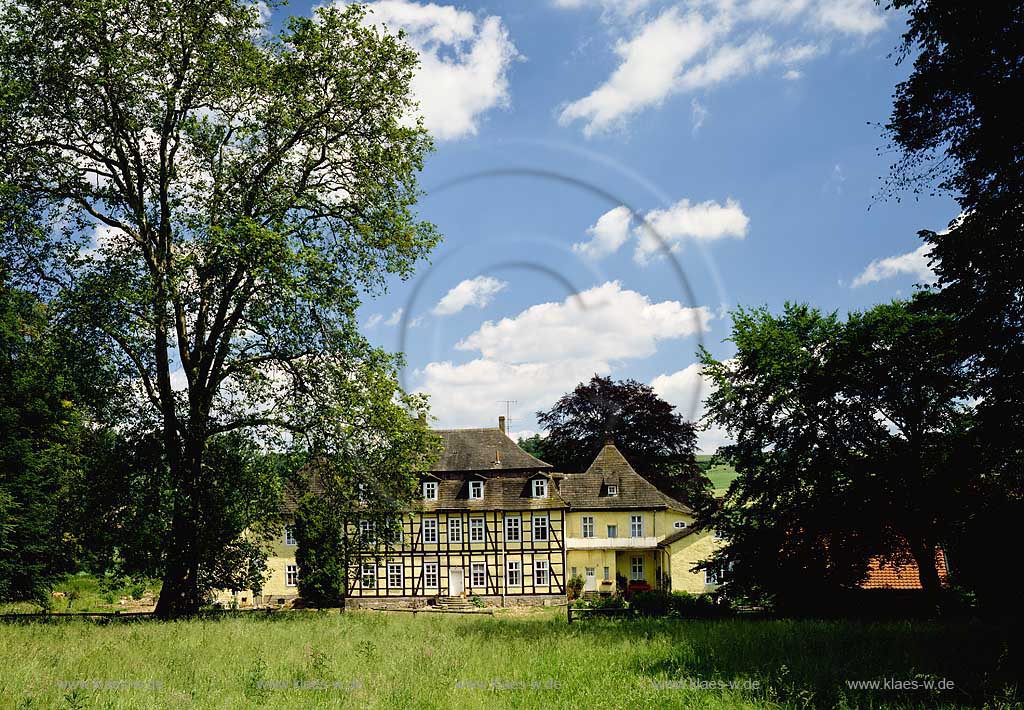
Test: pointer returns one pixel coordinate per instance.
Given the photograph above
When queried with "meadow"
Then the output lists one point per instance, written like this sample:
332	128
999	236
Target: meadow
515	659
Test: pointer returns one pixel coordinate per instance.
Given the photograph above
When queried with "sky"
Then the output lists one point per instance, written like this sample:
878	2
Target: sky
612	178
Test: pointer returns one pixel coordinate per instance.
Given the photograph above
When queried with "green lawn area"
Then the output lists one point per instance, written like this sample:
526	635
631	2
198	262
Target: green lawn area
721	475
514	659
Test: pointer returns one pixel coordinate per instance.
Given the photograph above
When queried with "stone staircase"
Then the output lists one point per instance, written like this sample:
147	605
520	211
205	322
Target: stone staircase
455	604
591	596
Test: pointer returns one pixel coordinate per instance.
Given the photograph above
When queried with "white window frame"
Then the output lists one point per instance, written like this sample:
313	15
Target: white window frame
680	525
633	567
613	531
392	567
429	531
513	524
366	528
607	574
476	490
545	527
515	573
636	525
474	569
431	575
613	490
587	526
477	530
289	536
397	532
368	572
718	574
717	535
454	530
541	572
291	575
540	488
430	490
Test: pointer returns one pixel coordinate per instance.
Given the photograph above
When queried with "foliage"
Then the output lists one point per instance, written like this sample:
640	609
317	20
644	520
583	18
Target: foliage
652	436
652	603
847	437
208	200
476	601
574	587
533	445
612	601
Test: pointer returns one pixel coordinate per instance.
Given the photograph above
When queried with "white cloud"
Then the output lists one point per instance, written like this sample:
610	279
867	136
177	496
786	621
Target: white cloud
395	318
549	348
477	292
374	320
619	7
793	75
855	17
914	263
606	235
687	389
704	221
698	114
464	62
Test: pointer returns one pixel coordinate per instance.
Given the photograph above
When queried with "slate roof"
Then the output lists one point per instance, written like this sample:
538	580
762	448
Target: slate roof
589	490
483	450
500	493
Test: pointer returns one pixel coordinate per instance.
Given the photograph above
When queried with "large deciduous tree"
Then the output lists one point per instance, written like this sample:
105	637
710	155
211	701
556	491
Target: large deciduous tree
656	440
213	200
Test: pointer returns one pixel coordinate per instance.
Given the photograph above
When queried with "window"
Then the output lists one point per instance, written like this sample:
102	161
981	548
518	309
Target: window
454	530
366	528
613	490
291	575
636	526
289	535
369	577
395	532
512	528
477	530
430	490
680	525
613	531
636	568
394	575
540	527
607	574
515	573
717	535
476	490
590	573
478	575
717	574
588	526
430	575
540	488
430	530
572	572
541	568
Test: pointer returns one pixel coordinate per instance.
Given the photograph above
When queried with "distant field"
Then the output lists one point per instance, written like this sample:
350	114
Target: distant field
721	475
515	659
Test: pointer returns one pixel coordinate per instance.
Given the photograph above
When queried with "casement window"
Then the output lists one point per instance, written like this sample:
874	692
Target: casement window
395	532
717	574
680	525
478	574
636	568
717	535
607	574
291	575
541	572
395	575
515	573
476	490
540	527
572	572
588	526
513	528
477	530
454	530
429	528
613	531
540	488
289	535
368	577
613	490
430	575
366	528
430	490
636	526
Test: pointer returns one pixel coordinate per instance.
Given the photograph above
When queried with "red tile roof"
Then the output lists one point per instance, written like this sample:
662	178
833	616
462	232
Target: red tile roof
903	575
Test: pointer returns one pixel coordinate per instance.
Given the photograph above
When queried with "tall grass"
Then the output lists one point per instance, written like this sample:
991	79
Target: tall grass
375	659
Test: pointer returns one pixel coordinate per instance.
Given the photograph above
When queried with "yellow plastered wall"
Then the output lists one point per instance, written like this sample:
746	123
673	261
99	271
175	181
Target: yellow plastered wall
276	586
687	552
657	523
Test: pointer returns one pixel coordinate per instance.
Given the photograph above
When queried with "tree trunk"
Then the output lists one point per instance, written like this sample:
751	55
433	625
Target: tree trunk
924	556
180	594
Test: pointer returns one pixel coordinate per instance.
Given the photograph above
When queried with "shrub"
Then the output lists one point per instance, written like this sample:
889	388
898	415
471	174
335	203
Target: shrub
612	602
574	587
477	601
698	606
652	603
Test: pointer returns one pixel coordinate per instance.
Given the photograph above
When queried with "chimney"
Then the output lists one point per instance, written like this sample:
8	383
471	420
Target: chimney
501	424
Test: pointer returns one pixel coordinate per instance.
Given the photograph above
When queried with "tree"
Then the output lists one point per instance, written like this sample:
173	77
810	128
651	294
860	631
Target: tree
653	437
533	445
844	434
212	201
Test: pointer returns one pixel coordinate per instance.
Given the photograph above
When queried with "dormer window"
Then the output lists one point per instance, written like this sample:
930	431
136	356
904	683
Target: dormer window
476	490
430	490
540	488
680	525
613	490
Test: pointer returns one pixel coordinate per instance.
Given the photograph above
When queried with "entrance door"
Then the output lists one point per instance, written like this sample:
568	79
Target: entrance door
456	581
590	584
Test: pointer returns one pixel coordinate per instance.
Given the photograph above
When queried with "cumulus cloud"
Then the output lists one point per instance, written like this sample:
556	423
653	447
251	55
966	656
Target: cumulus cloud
606	235
705	221
477	292
464	62
395	318
374	320
687	389
549	348
914	263
708	44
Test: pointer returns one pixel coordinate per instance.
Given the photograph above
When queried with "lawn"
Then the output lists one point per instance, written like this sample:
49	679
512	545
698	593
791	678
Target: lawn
721	474
514	659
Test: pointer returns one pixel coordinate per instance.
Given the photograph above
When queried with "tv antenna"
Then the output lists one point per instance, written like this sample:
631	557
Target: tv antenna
508	415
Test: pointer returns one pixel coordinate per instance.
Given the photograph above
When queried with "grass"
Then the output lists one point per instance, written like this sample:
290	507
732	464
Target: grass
515	659
721	475
86	592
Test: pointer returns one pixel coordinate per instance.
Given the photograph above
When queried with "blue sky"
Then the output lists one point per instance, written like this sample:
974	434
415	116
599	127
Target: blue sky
745	133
